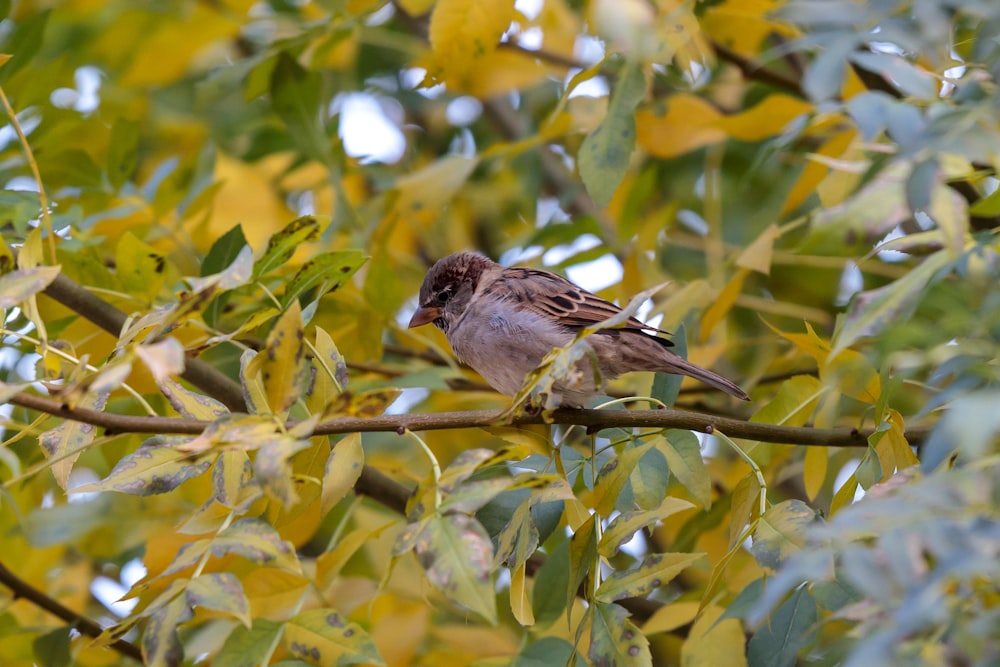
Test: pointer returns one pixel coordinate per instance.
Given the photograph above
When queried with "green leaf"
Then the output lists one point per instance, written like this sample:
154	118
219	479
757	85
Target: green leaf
141	268
324	637
244	647
788	630
160	645
683	453
52	648
457	555
781	532
21	284
623	527
123	151
296	96
222	254
18	207
283	245
342	471
328	272
220	591
152	469
870	312
545	652
654	571
604	155
23	42
582	557
548	597
614	640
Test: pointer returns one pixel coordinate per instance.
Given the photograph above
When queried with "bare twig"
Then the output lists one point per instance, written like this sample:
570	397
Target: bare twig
22	589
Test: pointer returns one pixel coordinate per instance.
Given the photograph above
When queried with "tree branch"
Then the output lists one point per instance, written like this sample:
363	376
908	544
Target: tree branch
594	420
22	589
111	319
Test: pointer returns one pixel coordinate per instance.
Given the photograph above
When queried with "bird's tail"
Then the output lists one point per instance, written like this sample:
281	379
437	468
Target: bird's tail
679	366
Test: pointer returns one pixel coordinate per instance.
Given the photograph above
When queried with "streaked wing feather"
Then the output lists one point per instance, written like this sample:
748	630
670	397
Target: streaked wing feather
553	296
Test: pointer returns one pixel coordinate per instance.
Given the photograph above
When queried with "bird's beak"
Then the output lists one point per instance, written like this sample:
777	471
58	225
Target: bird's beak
424	315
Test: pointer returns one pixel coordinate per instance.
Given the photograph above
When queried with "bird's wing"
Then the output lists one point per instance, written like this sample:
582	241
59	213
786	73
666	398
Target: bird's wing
554	297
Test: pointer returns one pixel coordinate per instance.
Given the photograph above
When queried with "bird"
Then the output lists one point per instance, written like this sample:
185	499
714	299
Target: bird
502	321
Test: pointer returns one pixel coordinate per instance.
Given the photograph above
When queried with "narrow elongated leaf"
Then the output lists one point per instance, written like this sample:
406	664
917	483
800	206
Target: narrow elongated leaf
152	469
326	272
342	471
160	644
324	637
605	153
519	538
614	475
283	245
654	571
296	95
189	403
614	640
548	598
283	362
582	557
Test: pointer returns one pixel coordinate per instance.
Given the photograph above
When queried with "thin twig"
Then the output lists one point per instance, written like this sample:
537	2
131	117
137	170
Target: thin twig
85	626
595	420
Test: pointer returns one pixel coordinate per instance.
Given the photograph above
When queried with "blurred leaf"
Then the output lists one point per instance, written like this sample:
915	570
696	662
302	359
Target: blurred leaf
677	125
464	32
722	304
789	630
713	642
324	637
163	358
757	255
670	617
18	285
456	553
23	42
605	153
614	640
520	607
52	648
744	505
814	470
683	453
296	96
123	151
780	532
545	652
548	597
141	268
273	469
244	647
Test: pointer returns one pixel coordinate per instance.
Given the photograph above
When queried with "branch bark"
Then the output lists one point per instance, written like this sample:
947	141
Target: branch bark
22	589
594	420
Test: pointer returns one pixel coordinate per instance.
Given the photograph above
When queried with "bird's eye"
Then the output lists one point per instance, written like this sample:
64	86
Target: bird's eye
444	295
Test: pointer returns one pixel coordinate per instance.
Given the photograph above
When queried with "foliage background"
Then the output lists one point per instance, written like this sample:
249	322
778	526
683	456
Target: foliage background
816	181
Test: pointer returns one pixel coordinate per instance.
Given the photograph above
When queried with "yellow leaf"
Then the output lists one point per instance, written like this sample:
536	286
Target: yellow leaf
763	120
687	123
851	373
813	173
282	366
722	304
416	7
520	601
814	470
343	468
501	72
757	255
710	644
743	24
141	268
463	32
423	193
671	617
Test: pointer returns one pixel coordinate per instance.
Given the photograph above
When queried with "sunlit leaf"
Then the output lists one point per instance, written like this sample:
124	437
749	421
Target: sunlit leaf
343	468
283	245
326	273
282	369
220	591
66	442
154	468
16	286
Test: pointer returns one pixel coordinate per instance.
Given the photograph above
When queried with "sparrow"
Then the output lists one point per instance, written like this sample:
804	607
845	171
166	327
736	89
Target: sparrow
503	321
